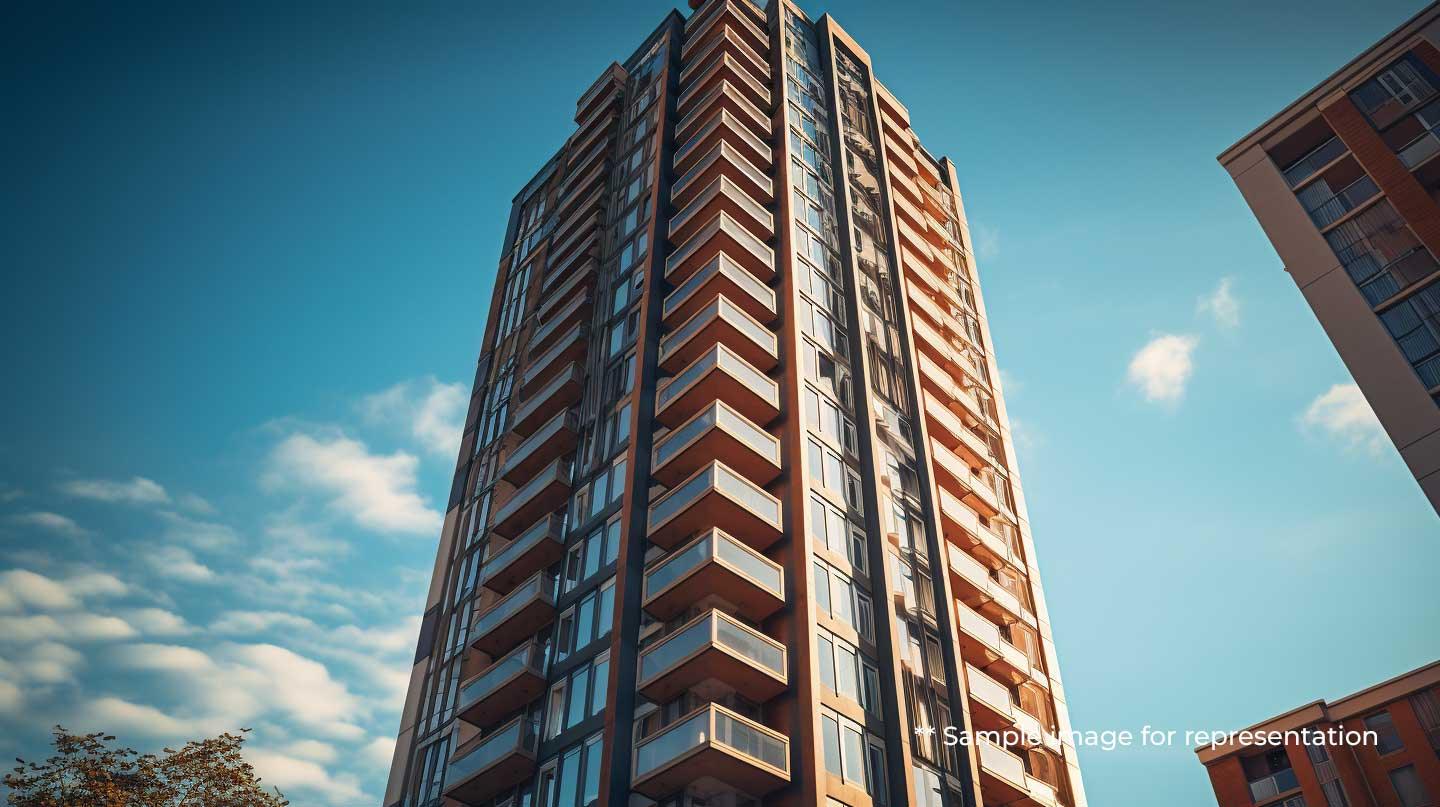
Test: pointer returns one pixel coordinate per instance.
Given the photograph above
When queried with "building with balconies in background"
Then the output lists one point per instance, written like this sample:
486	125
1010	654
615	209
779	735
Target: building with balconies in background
1346	184
736	511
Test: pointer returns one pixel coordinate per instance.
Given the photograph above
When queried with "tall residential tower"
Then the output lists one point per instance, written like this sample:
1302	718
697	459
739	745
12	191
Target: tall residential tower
1344	182
736	514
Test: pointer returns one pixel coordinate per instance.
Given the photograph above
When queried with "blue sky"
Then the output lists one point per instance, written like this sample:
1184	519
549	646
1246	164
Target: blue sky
248	258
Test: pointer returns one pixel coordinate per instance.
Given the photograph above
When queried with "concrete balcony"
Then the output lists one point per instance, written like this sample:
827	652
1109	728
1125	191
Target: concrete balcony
1038	794
503	687
970	579
561	320
728	43
718	375
535	549
1010	664
979	638
727	68
716	432
722	195
1002	774
559	393
905	186
587	250
715	570
726	96
721	276
712	751
948	429
484	767
906	210
961	527
721	235
541	496
723	127
569	347
929	171
725	160
911	239
604	91
715	496
576	232
720	322
556	289
992	707
898	154
550	442
712	21
515	617
713	655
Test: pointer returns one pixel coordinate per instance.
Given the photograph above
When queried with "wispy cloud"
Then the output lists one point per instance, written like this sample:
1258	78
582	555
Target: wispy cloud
53	522
1162	368
375	491
431	412
987	240
135	490
1343	415
1221	305
178	563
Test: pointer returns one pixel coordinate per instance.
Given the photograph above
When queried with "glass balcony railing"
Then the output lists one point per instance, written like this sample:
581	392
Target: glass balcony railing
990	692
731	45
1350	197
1305	167
724	276
1274	784
712	742
716	494
724	96
543	494
549	442
718	374
570	347
558	393
1001	763
717	432
716	20
721	233
718	630
724	68
503	687
720	321
499	761
515	616
723	126
533	550
747	577
722	194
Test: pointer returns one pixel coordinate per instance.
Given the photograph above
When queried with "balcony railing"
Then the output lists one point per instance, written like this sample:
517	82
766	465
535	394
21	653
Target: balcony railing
736	48
713	647
714	743
725	68
568	348
724	322
722	194
551	441
494	763
1305	167
723	126
714	569
1274	784
1006	769
1380	283
718	375
542	495
722	161
503	687
715	20
515	616
537	548
722	276
1350	197
998	708
716	496
721	234
560	392
717	432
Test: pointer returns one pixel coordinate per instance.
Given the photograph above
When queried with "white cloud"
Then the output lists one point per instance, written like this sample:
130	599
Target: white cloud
1162	367
433	413
54	522
206	535
379	752
195	504
313	750
375	491
1342	414
237	683
124	717
49	663
77	627
22	586
180	564
247	622
157	622
1221	305
136	490
289	773
11	698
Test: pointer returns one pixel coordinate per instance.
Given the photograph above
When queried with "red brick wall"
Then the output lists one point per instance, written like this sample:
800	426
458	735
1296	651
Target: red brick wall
1405	193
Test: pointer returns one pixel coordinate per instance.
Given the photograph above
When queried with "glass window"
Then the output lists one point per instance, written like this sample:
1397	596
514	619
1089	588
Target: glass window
1388	739
1408	787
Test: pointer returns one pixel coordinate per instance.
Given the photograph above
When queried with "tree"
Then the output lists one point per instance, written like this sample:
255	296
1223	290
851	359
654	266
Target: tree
87	771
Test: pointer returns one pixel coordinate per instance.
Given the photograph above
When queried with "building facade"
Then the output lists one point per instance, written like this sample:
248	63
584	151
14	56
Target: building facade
1345	183
1391	757
735	519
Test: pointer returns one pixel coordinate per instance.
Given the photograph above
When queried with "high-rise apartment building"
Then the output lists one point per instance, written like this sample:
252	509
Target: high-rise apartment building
736	517
1345	183
1375	748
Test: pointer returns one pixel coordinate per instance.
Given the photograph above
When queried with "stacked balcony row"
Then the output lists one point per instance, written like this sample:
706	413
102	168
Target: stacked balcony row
716	456
526	528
